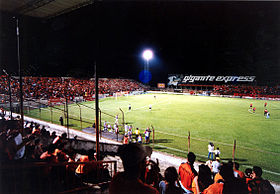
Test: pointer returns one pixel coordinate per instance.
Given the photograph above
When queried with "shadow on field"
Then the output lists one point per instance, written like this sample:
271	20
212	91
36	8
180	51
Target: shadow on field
160	148
236	159
163	140
129	123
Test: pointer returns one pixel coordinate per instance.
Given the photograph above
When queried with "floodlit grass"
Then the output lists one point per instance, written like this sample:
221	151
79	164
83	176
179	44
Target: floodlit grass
220	120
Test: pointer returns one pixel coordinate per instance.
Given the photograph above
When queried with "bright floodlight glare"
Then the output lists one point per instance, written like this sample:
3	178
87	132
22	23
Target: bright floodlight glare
147	54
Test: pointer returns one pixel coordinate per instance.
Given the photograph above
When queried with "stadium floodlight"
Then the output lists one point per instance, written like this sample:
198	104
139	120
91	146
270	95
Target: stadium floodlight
147	54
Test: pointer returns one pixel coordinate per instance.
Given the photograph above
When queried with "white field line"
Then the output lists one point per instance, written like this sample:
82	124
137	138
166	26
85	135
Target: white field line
226	144
185	152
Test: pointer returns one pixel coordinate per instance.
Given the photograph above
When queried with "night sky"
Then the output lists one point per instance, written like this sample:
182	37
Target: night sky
198	38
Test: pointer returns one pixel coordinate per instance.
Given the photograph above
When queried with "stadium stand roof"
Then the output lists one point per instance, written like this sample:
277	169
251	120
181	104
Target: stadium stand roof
42	8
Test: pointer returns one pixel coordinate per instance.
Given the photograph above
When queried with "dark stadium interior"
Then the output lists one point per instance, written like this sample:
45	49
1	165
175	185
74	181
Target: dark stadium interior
55	138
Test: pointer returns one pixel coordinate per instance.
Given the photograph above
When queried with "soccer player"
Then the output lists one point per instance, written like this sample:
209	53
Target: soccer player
265	112
265	104
129	107
251	105
268	115
150	107
254	109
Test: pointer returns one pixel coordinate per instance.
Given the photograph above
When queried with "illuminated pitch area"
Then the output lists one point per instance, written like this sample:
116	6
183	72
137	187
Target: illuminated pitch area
215	119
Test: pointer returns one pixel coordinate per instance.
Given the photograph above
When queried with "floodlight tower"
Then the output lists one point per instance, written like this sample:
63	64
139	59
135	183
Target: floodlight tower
147	56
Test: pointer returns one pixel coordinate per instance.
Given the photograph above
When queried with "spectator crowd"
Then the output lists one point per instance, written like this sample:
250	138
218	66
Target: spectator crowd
56	87
254	91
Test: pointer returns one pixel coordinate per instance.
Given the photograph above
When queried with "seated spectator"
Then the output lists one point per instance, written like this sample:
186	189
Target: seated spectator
38	150
258	185
236	169
170	184
203	180
229	185
152	174
248	174
49	155
133	157
87	171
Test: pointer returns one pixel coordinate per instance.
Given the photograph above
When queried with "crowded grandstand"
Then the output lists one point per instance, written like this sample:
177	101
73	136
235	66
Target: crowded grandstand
41	155
83	110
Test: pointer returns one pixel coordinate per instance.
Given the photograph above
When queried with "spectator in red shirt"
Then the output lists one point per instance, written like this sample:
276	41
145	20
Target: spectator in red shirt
236	169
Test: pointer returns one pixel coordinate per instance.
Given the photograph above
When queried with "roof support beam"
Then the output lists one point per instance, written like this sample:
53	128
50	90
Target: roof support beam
32	5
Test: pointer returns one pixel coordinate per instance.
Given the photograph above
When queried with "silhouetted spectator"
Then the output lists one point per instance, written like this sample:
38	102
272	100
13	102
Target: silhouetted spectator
170	184
203	180
61	120
134	162
258	185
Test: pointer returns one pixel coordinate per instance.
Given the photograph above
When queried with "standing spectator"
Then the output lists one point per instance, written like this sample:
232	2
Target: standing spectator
137	133
217	152
129	133
147	135
187	173
258	185
210	150
139	139
125	128
133	157
125	139
117	120
105	126
61	120
2	113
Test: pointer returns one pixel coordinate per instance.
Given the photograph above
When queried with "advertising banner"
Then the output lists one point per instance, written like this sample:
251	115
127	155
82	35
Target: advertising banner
181	80
161	85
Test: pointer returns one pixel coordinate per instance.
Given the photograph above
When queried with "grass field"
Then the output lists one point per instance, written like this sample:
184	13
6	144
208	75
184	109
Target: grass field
220	120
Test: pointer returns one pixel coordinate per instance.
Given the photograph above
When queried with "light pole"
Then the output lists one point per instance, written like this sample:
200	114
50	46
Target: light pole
147	56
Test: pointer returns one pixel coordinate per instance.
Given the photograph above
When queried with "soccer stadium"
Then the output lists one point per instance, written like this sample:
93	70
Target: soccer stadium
79	116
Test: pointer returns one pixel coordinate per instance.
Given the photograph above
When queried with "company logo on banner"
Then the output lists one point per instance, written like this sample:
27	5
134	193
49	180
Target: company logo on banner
175	80
161	85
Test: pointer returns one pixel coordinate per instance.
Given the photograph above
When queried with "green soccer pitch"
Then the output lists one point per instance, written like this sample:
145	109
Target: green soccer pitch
215	119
